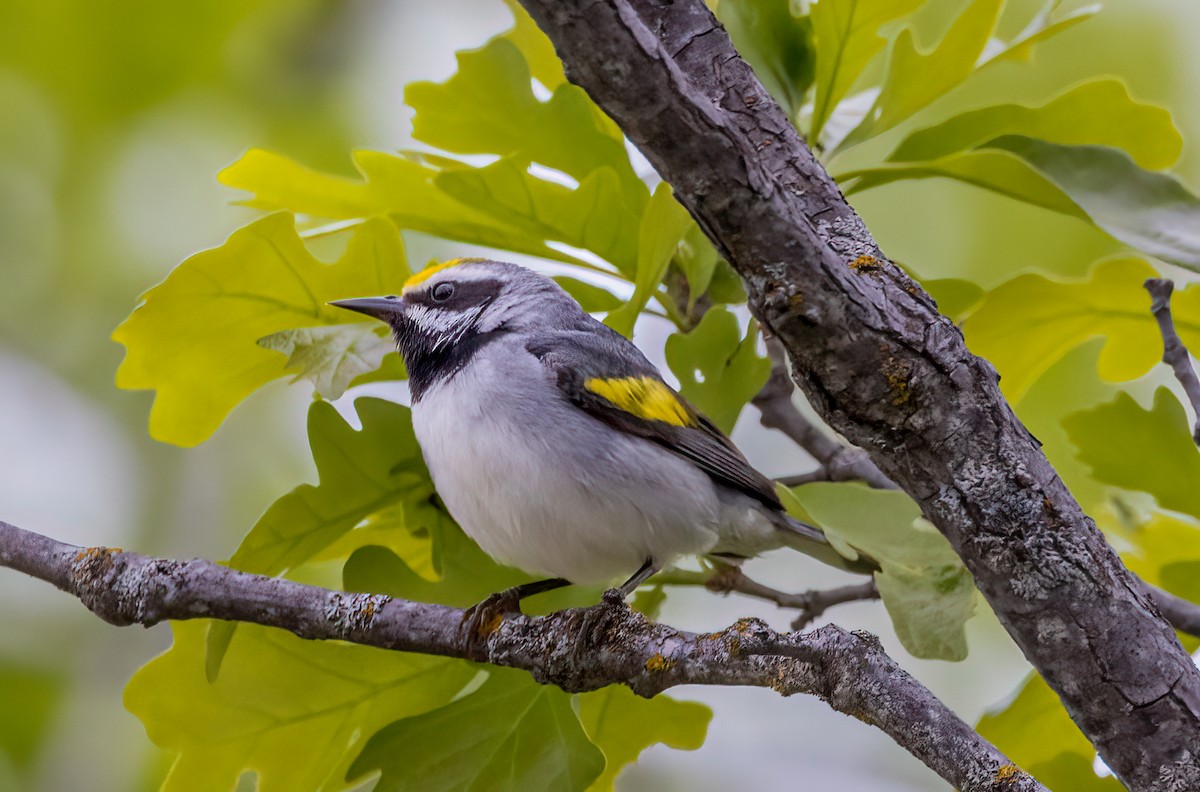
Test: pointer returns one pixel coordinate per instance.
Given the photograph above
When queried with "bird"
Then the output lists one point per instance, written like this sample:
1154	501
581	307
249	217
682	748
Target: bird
558	447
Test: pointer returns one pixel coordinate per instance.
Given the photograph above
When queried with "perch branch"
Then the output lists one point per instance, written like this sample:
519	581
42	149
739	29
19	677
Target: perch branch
578	650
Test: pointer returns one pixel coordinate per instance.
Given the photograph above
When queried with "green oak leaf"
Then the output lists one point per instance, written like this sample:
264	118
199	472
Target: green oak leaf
400	188
846	35
928	593
332	357
488	107
31	697
719	369
510	735
595	216
662	228
294	712
699	262
623	725
526	36
361	473
1111	437
1036	733
366	476
1153	212
1027	324
194	338
777	43
1097	112
915	77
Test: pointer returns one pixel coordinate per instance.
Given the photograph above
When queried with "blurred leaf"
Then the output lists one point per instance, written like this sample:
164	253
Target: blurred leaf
511	734
719	371
488	107
928	593
998	171
194	338
1153	212
401	189
593	216
1039	29
777	43
1099	112
544	65
915	78
31	697
1136	449
662	228
293	711
593	298
1035	732
847	40
1027	324
698	261
954	297
623	725
331	357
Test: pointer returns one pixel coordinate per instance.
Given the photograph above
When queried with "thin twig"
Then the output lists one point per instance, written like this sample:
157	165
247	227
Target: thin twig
839	461
1175	354
578	650
820	473
1182	614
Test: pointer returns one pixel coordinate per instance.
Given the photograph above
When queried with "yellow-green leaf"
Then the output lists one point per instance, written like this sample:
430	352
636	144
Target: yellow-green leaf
623	725
1027	324
331	357
662	228
194	340
294	712
915	77
538	50
719	369
777	42
928	593
846	34
1038	735
1136	449
510	735
1098	112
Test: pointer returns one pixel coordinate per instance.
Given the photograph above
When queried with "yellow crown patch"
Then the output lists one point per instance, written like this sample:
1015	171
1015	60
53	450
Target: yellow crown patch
420	277
644	397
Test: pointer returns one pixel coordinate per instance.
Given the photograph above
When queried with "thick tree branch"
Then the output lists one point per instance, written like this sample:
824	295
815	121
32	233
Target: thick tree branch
1175	354
839	462
884	369
578	650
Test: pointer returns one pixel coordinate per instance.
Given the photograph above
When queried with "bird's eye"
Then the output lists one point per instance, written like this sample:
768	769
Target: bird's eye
442	292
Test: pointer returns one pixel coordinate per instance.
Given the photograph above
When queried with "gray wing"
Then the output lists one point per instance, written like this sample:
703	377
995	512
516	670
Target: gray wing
606	376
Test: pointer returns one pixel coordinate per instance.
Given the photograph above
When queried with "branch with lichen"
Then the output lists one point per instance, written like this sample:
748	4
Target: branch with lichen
1175	354
577	650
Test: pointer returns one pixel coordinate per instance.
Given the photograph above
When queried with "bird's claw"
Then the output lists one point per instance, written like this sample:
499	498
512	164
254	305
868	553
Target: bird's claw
484	618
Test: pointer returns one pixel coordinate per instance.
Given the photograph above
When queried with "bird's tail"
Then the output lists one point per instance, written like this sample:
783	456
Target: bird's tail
811	540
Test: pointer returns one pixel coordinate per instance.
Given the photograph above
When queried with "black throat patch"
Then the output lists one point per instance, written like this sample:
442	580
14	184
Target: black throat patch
428	364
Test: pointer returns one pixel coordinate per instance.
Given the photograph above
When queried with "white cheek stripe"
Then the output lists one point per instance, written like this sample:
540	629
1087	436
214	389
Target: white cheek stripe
446	328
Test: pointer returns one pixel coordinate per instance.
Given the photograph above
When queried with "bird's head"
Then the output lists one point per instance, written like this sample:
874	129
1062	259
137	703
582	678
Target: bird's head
445	310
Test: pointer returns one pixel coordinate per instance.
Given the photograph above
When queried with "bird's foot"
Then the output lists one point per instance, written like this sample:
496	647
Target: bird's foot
484	618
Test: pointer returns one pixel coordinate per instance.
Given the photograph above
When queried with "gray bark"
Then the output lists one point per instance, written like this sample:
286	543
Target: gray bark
578	650
887	371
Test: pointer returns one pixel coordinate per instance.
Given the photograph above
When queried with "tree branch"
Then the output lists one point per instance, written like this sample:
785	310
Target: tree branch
578	650
838	462
1175	354
886	371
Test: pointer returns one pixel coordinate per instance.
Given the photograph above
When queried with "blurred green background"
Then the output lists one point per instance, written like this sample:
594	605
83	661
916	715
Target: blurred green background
116	118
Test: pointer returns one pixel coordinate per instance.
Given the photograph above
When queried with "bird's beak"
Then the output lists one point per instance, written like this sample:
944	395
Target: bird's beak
378	307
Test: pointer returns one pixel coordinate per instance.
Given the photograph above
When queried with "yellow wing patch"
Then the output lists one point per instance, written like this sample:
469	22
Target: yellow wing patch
644	397
433	269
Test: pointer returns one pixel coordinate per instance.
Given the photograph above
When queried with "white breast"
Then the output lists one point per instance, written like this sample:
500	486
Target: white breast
542	486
